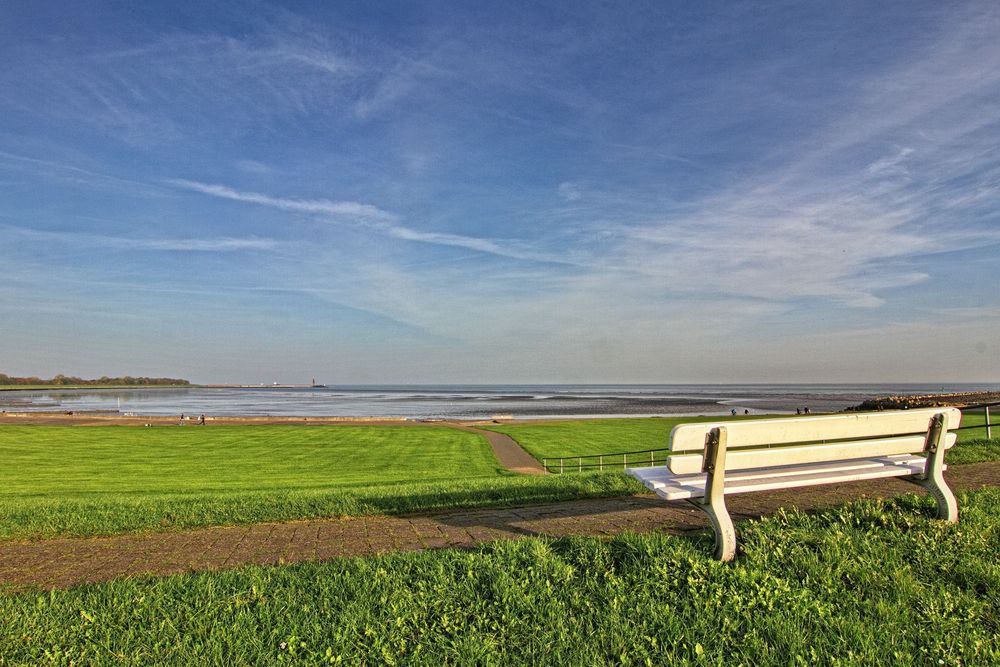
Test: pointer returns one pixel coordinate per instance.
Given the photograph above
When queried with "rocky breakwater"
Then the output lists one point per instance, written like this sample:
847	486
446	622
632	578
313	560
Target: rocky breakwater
906	402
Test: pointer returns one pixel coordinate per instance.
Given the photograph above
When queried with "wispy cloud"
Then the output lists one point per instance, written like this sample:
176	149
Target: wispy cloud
570	191
892	164
833	223
379	221
329	207
401	80
253	167
76	239
146	95
70	172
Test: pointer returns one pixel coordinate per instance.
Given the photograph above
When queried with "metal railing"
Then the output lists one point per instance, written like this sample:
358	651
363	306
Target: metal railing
985	407
650	457
612	461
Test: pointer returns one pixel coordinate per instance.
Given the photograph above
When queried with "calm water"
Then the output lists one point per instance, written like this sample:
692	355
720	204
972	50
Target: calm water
469	401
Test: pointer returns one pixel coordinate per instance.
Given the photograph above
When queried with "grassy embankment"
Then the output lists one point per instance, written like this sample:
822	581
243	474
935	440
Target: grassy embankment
869	583
59	480
600	436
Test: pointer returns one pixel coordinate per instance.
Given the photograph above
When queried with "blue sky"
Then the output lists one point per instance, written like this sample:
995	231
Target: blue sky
501	192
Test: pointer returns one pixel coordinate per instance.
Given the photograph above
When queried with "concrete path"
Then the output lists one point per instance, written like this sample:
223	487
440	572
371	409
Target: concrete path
510	454
61	563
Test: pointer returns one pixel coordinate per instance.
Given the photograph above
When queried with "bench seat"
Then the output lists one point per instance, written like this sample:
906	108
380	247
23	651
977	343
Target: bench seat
669	486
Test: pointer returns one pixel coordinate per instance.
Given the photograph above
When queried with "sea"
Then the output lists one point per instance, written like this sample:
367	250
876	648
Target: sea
469	401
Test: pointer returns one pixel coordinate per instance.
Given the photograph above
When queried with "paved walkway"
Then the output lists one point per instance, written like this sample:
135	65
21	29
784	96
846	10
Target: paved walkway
60	563
510	454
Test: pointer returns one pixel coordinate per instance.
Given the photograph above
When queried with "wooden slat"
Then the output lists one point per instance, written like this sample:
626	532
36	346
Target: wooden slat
680	487
745	459
757	432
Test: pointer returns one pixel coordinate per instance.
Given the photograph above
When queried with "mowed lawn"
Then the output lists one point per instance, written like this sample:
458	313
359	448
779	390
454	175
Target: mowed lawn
64	480
584	437
72	461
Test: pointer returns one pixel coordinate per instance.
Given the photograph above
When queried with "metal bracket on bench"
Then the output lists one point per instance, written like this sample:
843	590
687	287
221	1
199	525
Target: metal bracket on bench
714	501
932	478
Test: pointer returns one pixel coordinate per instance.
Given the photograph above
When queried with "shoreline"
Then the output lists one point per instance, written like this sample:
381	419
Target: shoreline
83	418
13	415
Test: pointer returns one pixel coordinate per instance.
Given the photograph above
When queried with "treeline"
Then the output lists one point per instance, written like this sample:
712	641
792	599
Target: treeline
69	380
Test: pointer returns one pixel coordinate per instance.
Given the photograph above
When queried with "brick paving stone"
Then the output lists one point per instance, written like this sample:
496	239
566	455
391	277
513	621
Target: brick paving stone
65	562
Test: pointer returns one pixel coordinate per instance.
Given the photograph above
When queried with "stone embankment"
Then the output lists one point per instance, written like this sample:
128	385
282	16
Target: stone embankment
928	401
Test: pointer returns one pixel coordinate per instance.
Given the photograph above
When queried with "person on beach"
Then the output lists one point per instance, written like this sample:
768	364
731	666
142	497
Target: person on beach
734	412
201	420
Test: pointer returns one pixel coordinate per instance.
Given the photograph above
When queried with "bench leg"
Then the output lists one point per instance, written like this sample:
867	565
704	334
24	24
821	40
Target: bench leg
714	502
933	476
947	505
722	524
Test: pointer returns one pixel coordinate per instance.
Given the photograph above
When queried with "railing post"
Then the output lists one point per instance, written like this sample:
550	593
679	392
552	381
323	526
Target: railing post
624	463
560	466
651	458
545	464
989	431
579	464
601	461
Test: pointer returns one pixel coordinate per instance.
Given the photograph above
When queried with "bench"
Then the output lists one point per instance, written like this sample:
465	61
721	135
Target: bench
707	461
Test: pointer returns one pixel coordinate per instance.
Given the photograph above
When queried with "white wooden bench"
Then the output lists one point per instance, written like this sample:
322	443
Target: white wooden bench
709	460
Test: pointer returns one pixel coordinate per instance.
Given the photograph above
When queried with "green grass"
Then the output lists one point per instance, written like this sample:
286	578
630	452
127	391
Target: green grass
974	451
58	480
602	436
594	436
872	583
83	481
32	517
60	461
978	419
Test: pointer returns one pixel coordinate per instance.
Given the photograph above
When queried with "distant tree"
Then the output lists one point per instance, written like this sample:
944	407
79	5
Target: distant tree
61	380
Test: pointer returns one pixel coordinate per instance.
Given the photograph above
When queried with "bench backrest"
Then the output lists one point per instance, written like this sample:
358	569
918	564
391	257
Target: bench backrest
760	443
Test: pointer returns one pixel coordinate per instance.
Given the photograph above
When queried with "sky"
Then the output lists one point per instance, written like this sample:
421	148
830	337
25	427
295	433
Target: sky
515	192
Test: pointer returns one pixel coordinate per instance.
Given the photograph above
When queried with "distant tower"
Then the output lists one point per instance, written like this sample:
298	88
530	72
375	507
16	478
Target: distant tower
314	382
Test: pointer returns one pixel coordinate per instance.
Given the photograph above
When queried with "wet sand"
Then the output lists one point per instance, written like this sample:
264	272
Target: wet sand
70	418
